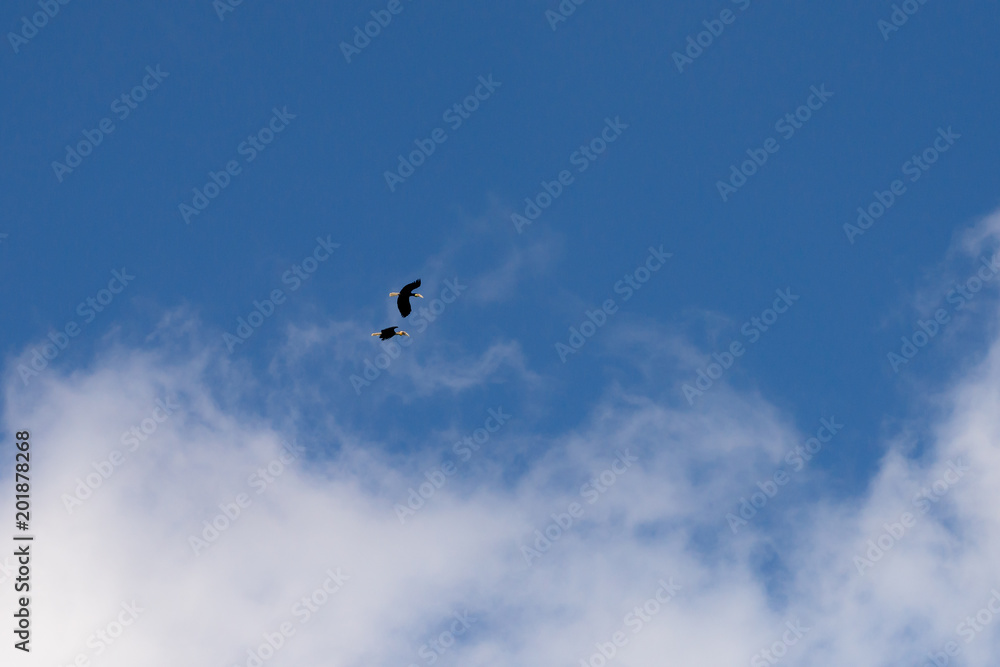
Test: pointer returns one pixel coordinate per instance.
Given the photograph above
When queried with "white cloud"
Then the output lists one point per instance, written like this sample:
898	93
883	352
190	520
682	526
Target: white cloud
662	518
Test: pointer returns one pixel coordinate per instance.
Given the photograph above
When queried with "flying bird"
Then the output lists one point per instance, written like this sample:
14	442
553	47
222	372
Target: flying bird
403	300
389	332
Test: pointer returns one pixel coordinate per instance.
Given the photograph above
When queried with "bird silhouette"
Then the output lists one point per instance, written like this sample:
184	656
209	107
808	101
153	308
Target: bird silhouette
403	297
389	332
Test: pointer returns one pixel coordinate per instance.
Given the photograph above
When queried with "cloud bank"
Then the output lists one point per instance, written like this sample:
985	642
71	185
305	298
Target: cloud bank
176	524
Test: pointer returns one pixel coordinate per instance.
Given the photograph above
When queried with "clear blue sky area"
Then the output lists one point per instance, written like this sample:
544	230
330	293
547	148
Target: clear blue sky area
831	104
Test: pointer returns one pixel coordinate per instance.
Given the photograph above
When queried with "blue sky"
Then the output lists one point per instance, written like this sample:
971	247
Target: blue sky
319	189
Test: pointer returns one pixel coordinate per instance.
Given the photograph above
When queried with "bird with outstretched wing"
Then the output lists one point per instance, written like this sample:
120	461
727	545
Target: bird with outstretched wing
389	332
403	297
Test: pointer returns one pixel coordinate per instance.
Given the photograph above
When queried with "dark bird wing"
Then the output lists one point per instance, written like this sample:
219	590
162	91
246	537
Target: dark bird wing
408	290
